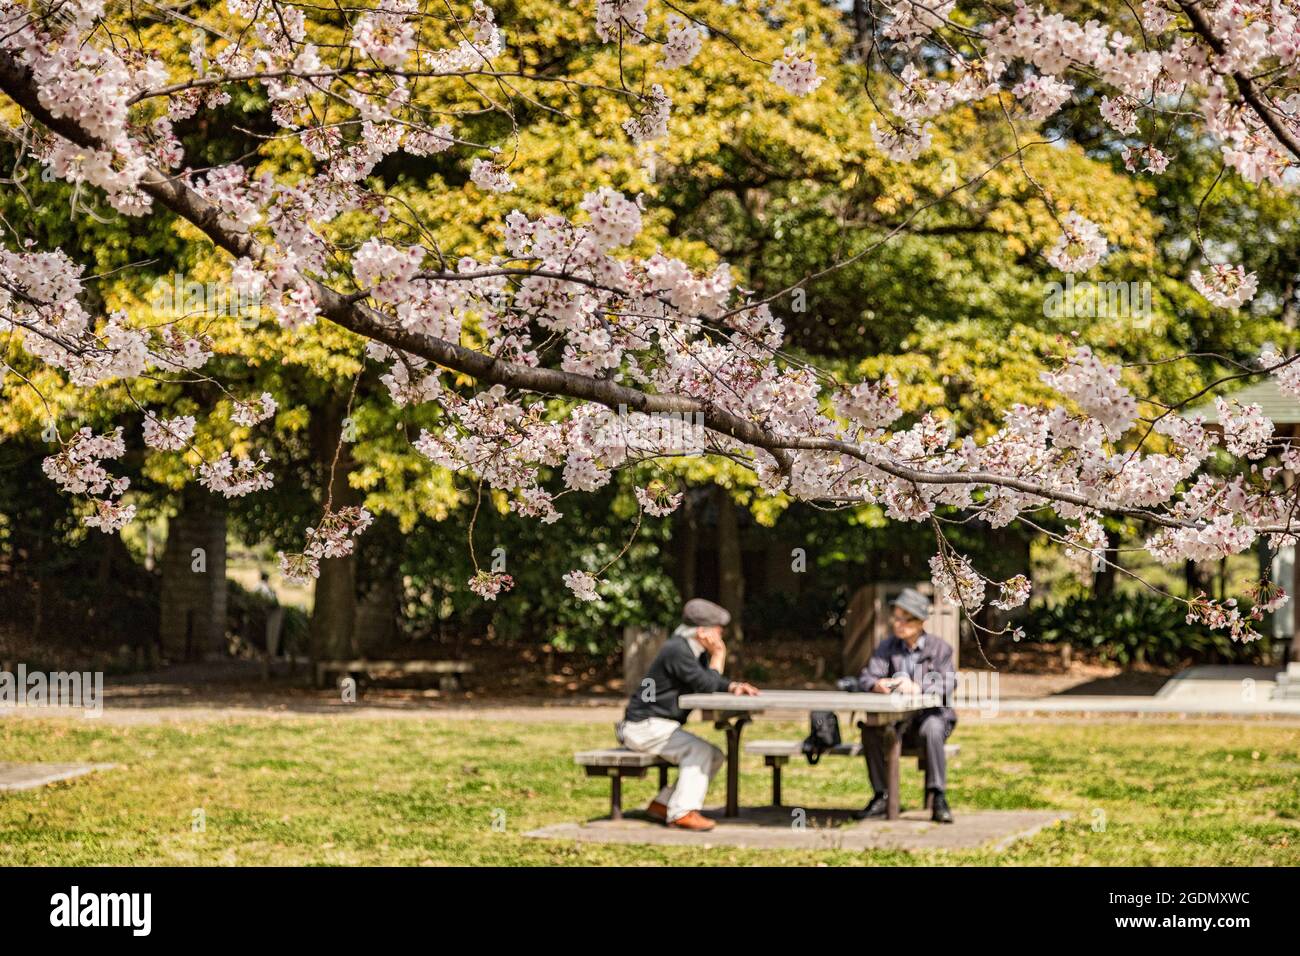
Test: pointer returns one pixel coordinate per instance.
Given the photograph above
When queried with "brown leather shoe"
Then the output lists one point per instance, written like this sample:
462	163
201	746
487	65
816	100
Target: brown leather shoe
657	811
693	821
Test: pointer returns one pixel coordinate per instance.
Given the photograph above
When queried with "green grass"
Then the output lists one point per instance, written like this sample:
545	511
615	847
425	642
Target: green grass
427	791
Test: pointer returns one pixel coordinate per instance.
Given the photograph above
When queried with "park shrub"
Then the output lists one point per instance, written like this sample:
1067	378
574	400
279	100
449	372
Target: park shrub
1141	629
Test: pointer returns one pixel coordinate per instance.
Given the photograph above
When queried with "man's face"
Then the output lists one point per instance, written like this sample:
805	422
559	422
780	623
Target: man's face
707	635
906	627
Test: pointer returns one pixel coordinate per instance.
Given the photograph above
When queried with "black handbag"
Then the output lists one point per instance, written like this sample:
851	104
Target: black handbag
825	734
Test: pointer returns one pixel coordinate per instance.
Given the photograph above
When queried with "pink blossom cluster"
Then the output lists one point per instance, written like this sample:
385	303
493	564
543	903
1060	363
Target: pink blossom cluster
1097	389
168	434
1080	246
796	72
484	44
621	20
235	477
488	584
333	537
657	501
386	35
253	412
582	584
1228	287
682	44
78	468
1246	430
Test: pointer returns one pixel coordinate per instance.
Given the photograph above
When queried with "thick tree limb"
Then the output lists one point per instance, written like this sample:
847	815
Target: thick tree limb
348	312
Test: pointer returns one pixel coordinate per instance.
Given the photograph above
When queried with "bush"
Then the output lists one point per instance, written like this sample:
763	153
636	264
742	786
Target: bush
1137	629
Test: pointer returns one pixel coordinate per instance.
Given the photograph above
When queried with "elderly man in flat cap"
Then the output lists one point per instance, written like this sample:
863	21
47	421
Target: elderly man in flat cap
690	662
912	662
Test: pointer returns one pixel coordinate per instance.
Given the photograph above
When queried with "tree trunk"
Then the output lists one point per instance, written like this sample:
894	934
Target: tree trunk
334	610
688	545
192	601
731	576
1103	583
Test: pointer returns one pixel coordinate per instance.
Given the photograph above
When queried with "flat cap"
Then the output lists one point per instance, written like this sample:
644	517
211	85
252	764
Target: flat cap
914	603
701	613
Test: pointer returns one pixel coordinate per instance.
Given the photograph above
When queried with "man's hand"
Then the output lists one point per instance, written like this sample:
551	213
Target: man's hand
885	685
710	639
906	685
741	689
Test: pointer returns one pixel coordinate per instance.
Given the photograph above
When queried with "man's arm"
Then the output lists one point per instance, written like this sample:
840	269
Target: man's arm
877	669
944	675
684	668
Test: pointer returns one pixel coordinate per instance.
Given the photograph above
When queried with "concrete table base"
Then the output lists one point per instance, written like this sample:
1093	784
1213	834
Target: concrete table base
29	776
773	828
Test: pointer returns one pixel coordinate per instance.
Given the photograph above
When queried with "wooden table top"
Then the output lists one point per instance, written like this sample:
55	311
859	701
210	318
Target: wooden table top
810	700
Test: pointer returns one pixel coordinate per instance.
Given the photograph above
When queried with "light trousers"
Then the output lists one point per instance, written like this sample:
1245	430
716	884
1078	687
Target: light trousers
697	760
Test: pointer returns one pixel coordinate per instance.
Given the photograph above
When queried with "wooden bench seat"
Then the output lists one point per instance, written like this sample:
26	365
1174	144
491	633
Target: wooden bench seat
448	672
617	763
777	753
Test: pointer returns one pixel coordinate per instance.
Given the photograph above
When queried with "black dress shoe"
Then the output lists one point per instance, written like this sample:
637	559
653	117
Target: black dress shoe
878	807
939	808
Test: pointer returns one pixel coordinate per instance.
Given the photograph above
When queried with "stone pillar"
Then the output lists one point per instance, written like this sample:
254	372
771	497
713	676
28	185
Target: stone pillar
192	603
375	630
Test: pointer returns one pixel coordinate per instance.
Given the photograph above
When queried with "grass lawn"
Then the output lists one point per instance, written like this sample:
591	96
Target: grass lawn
428	791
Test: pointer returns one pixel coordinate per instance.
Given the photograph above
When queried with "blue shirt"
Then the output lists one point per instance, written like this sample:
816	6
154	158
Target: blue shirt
914	655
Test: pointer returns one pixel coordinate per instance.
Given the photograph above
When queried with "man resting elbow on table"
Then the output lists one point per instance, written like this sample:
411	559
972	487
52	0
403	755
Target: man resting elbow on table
912	662
690	662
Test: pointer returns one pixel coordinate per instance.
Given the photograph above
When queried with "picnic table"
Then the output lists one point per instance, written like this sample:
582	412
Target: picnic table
731	713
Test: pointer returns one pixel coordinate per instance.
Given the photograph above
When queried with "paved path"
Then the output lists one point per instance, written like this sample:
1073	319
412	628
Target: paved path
1206	693
776	828
29	776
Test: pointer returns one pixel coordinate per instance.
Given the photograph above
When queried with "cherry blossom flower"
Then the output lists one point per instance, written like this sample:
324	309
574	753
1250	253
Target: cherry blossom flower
236	477
1014	593
488	584
386	35
1246	431
656	499
683	43
1043	95
250	413
1226	286
901	143
651	122
1096	388
1080	246
620	19
490	176
168	434
582	584
957	581
796	72
1152	159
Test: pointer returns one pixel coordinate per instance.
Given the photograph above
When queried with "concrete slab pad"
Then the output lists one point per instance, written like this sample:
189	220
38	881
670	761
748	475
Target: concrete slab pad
1221	684
775	828
29	776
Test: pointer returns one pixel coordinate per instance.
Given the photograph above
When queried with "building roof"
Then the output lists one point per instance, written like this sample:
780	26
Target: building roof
1279	408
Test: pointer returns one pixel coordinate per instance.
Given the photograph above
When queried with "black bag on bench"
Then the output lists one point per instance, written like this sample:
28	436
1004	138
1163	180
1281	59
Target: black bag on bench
825	735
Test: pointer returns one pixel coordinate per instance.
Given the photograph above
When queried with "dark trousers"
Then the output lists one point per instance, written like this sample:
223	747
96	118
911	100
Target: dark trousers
926	731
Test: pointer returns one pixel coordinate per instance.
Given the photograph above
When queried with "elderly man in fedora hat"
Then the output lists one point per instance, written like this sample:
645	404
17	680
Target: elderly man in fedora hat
912	662
690	662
